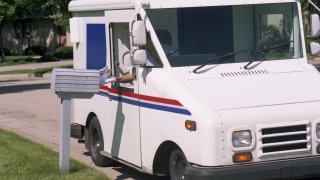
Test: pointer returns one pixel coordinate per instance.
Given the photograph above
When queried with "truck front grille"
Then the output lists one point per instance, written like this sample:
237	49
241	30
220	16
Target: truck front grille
283	138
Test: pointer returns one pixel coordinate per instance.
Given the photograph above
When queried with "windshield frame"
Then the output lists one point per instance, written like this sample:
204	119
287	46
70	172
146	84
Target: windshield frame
163	4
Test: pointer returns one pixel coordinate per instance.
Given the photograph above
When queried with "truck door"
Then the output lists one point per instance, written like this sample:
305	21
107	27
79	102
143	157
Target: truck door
124	111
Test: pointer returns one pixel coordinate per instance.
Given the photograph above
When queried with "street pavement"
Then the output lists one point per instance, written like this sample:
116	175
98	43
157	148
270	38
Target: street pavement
29	108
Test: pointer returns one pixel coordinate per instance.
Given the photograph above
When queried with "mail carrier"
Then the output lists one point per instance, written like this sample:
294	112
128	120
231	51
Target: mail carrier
220	89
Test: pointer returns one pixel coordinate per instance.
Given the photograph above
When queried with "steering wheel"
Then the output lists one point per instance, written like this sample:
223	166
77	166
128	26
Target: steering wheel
174	51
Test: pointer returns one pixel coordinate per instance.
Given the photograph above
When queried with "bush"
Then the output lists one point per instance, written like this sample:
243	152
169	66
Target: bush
65	52
47	58
6	52
35	50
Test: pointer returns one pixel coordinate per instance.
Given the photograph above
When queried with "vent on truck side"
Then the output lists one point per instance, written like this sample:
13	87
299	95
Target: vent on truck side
243	73
283	138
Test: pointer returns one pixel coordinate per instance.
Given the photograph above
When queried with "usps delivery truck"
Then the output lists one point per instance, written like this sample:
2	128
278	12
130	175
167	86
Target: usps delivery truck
221	89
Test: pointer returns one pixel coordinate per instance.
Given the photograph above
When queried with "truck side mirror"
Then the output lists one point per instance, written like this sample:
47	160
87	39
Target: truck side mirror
315	25
315	48
139	34
315	32
140	57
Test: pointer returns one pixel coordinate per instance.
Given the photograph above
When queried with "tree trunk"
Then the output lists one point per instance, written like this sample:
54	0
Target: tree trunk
305	17
2	59
306	23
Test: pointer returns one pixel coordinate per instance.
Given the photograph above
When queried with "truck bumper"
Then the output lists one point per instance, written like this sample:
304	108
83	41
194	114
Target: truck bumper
289	169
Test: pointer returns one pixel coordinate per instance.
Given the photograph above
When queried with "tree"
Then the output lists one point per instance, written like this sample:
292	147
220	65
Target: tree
7	10
13	9
308	9
306	6
59	8
312	9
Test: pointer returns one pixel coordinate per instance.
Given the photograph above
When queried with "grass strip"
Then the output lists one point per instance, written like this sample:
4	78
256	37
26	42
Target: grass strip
23	159
17	58
12	63
33	71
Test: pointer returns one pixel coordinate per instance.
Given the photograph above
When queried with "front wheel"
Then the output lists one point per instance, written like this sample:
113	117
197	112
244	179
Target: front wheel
178	164
95	138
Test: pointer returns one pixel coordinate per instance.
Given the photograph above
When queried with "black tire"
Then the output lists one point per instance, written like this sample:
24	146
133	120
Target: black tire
177	165
95	139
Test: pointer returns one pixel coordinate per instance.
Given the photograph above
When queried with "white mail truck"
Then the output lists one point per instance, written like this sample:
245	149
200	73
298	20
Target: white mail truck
221	89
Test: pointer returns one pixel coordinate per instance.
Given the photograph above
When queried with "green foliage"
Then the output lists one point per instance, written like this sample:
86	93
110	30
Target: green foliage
63	22
307	6
6	51
60	8
48	58
11	9
35	50
65	52
7	10
23	159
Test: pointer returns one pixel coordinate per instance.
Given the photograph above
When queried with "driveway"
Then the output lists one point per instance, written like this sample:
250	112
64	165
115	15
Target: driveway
32	110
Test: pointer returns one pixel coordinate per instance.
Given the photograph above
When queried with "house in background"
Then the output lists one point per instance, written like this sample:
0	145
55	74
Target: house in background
33	31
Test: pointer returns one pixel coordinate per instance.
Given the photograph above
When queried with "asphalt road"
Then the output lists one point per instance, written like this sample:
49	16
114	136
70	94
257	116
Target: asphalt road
32	110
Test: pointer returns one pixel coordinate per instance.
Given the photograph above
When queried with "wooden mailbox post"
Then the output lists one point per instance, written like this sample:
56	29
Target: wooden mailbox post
69	84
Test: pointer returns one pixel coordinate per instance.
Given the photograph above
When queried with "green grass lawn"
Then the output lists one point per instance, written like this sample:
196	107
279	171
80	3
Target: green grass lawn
17	58
14	60
23	159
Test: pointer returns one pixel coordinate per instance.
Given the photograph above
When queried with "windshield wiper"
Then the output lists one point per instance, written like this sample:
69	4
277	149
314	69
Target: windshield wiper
219	58
265	50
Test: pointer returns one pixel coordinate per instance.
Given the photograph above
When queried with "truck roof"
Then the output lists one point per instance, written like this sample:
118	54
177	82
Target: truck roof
98	5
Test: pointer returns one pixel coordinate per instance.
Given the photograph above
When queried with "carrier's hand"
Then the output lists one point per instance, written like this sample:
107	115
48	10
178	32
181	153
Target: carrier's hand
111	79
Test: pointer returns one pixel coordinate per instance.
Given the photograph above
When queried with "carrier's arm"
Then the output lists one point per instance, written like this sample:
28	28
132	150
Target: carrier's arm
125	78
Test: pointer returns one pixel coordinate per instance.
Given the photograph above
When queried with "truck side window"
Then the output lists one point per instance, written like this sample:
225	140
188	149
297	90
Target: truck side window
120	50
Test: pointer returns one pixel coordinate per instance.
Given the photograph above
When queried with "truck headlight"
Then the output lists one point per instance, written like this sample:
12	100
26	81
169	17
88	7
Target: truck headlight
318	130
241	138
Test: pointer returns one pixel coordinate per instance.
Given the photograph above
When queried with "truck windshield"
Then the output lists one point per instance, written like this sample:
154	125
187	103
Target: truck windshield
192	36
